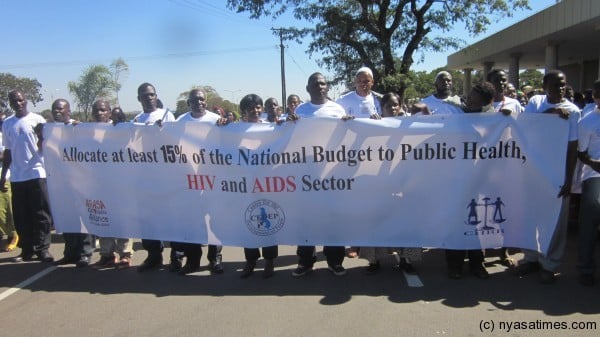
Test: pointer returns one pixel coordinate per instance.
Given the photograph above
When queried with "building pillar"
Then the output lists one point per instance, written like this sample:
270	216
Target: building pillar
467	84
551	56
513	69
487	67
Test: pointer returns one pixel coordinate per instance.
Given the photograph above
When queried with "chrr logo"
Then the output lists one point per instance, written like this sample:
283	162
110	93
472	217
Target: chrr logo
264	217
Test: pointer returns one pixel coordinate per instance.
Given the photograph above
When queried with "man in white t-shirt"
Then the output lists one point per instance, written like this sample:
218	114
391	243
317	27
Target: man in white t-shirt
361	103
589	212
78	246
554	83
193	251
503	103
150	115
22	155
442	101
319	106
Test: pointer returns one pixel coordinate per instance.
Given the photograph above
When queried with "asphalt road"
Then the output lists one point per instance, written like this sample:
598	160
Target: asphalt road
39	299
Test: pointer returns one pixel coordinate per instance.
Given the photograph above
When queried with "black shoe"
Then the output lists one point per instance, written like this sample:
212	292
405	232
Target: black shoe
372	269
586	280
175	266
525	268
45	256
216	267
407	267
84	261
66	260
149	263
188	269
269	268
248	269
301	270
23	257
455	273
480	272
338	270
547	277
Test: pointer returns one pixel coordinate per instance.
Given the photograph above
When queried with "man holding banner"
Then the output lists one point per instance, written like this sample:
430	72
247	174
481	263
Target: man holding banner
554	84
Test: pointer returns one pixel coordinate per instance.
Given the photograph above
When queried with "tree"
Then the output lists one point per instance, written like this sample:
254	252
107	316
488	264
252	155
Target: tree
29	86
384	35
531	77
95	83
119	70
212	99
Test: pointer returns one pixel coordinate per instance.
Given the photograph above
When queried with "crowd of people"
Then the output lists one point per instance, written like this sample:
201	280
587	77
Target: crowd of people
26	220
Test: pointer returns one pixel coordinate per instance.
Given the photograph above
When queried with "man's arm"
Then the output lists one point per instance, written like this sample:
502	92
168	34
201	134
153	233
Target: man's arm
6	161
570	164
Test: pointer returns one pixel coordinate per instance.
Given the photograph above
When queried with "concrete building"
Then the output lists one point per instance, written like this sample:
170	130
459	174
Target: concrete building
565	36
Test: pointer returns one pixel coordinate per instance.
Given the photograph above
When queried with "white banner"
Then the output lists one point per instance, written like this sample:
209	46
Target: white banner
456	181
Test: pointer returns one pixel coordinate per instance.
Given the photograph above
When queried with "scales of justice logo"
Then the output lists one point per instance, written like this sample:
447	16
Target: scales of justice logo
264	217
488	207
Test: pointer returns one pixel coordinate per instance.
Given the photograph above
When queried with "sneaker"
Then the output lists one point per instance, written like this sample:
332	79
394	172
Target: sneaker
525	268
45	256
124	262
150	263
547	277
372	269
301	271
337	270
23	257
248	269
84	261
105	262
175	265
216	267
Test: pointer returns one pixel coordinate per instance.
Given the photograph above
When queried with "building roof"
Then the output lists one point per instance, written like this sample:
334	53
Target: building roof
574	25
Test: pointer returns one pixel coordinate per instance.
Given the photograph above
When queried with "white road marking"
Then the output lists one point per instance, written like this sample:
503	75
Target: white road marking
27	282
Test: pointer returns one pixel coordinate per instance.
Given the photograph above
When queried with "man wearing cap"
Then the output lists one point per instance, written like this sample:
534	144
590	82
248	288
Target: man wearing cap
361	103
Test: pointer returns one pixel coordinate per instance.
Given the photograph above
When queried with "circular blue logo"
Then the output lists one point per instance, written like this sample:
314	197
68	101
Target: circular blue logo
264	217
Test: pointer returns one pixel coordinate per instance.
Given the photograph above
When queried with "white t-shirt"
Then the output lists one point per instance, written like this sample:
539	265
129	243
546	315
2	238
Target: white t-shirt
208	117
18	137
329	109
539	104
359	106
450	105
587	109
510	104
589	140
147	118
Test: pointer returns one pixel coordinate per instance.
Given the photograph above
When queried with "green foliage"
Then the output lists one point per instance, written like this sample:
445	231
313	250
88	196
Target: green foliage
531	77
213	99
95	83
119	70
29	86
383	35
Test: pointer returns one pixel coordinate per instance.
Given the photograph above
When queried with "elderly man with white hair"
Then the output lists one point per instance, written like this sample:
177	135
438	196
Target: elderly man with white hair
442	101
362	103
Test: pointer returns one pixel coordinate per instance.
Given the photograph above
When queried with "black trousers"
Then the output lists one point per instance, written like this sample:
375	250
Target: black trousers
252	254
456	258
154	248
78	245
31	213
193	252
333	254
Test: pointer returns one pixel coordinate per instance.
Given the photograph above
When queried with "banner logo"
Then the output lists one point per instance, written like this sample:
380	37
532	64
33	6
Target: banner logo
492	214
98	214
264	217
